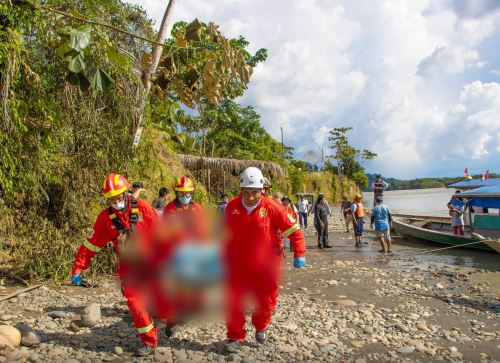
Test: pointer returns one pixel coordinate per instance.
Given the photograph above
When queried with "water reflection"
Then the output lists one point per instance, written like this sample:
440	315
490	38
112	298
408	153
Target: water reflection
456	256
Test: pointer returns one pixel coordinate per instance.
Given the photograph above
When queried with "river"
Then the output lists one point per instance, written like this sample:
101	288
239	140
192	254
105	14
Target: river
429	202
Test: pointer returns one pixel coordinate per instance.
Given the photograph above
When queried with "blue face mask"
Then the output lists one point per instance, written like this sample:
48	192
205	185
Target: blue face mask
185	199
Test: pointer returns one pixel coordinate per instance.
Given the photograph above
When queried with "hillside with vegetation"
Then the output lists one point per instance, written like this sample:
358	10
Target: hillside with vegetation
89	88
422	183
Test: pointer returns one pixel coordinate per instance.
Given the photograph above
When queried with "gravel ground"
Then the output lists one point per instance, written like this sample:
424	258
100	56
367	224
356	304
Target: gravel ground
347	305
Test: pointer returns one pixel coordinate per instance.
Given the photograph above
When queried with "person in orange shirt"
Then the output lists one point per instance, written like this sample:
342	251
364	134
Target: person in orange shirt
293	214
121	223
358	214
253	256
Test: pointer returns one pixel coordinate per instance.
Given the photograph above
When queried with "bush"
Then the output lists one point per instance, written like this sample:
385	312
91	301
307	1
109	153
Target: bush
360	179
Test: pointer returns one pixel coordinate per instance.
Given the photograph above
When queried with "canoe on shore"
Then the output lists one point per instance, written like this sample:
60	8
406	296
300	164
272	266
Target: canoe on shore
438	232
493	244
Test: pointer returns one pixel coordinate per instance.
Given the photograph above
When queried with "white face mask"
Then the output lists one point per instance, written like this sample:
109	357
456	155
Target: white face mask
119	205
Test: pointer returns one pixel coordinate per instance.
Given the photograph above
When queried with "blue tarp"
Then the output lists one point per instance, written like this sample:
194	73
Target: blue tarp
486	197
474	183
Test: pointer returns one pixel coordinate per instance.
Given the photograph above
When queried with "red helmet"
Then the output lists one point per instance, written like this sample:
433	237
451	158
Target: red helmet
184	184
114	184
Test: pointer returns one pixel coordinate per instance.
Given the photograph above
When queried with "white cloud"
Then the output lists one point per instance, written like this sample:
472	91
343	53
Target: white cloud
409	76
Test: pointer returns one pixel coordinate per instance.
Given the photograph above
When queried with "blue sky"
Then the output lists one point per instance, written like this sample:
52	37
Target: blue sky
418	80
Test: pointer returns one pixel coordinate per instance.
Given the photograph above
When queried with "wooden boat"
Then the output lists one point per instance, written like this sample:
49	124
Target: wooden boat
400	216
438	232
493	244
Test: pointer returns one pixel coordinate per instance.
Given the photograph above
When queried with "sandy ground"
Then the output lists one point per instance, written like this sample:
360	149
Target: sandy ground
347	305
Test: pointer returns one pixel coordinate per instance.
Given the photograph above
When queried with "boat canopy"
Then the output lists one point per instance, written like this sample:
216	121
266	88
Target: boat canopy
474	183
486	197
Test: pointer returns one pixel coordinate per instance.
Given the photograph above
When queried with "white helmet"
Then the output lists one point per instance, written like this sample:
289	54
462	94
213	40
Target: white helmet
252	178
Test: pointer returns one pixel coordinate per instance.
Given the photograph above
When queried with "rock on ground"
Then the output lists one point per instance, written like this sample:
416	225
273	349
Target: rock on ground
91	315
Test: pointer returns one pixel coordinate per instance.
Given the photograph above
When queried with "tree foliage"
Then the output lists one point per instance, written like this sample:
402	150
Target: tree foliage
202	67
347	156
71	93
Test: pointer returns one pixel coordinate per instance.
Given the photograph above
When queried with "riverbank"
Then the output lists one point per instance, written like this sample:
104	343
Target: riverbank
347	305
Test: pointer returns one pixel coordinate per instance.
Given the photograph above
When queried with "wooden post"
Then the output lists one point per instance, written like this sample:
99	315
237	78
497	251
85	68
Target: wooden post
223	181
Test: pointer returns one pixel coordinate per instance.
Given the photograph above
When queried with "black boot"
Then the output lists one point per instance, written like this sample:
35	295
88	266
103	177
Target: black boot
145	350
169	330
260	336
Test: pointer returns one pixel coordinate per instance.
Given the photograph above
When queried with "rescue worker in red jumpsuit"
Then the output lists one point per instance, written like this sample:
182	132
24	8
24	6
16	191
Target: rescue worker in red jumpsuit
253	256
184	206
126	216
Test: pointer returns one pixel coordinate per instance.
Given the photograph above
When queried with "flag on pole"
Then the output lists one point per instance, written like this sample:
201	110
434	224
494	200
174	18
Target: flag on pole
466	172
486	175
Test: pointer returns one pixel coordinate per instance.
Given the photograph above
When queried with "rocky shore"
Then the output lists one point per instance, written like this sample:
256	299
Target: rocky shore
347	305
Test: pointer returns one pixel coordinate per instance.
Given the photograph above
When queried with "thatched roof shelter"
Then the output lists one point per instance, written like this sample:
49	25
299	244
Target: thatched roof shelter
218	166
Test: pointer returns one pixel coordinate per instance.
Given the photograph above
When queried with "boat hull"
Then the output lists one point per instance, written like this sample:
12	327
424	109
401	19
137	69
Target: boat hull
444	238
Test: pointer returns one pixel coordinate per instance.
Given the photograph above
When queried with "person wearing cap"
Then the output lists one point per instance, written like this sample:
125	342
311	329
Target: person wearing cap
321	212
121	222
358	213
292	214
381	217
253	256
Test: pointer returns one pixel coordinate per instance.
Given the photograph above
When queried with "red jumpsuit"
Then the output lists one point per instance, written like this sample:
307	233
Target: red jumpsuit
253	257
192	217
105	231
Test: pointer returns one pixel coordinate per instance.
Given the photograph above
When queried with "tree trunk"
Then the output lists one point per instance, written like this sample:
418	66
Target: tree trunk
158	49
155	60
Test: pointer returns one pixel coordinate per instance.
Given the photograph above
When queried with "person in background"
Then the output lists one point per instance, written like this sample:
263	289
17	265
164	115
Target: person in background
456	209
378	188
137	189
321	212
381	217
292	215
357	213
223	204
303	206
313	207
160	203
267	186
345	210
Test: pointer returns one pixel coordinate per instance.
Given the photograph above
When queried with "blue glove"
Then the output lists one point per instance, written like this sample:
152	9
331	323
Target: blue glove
299	262
76	279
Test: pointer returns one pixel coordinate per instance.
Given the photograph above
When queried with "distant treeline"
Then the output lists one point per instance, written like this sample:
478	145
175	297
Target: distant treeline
422	183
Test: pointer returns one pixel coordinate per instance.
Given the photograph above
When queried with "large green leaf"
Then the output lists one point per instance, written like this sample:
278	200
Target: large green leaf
100	80
63	50
77	64
115	57
79	40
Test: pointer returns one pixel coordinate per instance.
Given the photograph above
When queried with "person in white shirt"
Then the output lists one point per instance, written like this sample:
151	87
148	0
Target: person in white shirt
303	205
